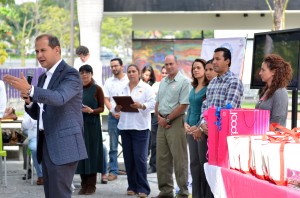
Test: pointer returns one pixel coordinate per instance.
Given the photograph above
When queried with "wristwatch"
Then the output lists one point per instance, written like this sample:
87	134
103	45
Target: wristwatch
168	121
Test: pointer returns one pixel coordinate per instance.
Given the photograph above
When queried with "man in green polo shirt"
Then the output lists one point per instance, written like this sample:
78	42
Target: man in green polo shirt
171	103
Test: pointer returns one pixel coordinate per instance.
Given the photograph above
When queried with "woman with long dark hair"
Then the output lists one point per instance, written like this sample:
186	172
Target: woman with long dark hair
277	74
198	141
148	75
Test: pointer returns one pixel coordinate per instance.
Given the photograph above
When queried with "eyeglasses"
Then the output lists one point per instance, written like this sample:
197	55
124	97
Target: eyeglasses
113	66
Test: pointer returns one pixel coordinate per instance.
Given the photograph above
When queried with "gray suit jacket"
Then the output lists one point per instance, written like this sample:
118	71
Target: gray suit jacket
62	116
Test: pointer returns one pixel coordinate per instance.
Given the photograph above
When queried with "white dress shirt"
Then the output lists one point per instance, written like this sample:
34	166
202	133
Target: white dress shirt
49	74
141	120
29	125
3	99
113	86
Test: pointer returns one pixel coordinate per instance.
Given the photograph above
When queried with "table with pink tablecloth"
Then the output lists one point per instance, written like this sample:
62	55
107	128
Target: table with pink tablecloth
233	184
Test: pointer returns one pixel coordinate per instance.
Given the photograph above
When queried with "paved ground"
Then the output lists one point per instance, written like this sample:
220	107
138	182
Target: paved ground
18	188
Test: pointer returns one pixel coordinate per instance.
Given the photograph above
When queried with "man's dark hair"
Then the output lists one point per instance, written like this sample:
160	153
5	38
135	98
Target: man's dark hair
53	40
226	53
82	50
117	59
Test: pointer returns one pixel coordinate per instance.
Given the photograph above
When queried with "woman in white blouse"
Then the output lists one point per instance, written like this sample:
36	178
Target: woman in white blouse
135	129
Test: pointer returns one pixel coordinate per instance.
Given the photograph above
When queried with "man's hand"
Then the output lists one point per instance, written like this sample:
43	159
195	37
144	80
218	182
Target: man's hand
162	122
26	98
20	84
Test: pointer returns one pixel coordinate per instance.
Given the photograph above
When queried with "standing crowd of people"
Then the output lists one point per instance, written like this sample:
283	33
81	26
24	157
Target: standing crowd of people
163	121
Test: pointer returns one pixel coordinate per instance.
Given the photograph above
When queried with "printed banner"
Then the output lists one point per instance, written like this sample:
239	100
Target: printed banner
237	47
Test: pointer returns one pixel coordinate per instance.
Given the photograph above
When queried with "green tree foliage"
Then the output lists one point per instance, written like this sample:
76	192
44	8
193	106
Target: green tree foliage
59	3
3	54
7	2
5	29
59	24
116	34
21	19
20	24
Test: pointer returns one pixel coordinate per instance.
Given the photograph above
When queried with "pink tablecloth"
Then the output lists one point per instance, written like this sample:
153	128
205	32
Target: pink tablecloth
239	185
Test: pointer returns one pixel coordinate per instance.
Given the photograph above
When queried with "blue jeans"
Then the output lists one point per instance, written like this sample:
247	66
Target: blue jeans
113	133
32	145
104	171
135	152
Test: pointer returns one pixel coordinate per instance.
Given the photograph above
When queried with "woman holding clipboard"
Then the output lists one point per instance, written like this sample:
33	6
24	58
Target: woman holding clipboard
134	126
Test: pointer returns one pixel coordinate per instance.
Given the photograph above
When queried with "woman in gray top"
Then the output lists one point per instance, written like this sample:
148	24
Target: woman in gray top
277	74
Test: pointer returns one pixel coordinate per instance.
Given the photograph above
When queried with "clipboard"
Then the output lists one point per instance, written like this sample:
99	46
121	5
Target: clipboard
125	102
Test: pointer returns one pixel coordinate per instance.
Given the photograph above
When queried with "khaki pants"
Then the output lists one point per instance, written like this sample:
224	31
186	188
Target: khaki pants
171	152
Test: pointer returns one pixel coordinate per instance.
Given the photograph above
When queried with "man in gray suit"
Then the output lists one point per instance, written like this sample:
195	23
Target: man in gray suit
56	104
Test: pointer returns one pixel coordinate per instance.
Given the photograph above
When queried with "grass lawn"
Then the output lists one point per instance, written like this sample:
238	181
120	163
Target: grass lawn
248	105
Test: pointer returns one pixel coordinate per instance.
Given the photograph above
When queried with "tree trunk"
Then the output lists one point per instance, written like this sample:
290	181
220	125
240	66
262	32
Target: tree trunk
278	13
278	16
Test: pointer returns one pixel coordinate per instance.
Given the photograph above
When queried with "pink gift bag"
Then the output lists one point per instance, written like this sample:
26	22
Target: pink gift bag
213	135
248	121
217	148
223	156
232	122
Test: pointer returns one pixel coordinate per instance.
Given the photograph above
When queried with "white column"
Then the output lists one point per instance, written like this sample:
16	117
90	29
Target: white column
90	13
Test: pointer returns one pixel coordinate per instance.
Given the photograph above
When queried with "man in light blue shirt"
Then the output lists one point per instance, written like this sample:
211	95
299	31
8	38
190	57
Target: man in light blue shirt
171	103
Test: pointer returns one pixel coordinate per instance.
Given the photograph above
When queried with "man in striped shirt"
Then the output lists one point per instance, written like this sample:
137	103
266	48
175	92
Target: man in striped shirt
224	89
